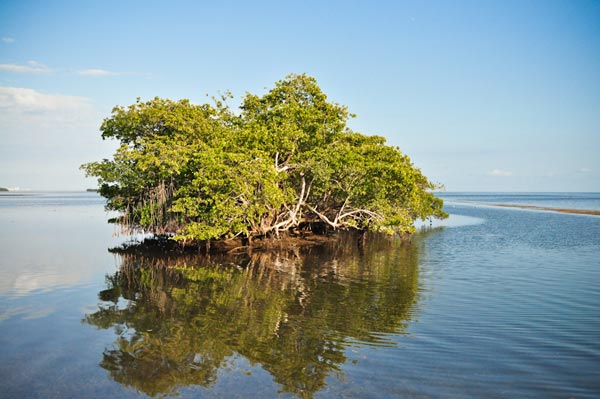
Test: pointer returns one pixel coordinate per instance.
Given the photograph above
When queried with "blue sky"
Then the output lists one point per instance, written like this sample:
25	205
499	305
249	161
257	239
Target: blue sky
482	95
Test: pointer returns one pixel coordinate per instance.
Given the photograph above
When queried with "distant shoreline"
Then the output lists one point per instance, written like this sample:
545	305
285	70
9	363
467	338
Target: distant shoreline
535	208
13	194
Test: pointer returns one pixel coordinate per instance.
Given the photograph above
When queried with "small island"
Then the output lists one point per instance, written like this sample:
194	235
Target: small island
3	189
285	164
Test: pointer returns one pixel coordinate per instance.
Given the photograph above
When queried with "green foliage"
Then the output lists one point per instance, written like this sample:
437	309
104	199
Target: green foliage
201	172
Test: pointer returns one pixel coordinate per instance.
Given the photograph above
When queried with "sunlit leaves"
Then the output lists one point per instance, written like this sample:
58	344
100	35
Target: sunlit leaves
203	172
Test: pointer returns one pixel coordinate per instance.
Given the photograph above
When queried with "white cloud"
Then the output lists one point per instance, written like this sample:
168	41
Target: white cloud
39	68
44	137
31	67
8	40
95	72
22	100
584	170
26	114
499	173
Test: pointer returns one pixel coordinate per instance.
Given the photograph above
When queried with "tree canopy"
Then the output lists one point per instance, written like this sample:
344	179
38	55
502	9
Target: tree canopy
286	161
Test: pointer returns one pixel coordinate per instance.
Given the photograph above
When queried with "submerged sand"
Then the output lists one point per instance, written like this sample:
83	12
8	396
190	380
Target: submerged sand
540	208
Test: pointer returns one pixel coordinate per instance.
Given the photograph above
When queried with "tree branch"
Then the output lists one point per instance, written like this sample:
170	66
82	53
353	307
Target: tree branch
365	211
322	216
281	168
337	217
293	219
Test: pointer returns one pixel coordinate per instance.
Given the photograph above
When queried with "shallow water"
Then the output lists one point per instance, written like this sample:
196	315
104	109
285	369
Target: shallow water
499	303
588	201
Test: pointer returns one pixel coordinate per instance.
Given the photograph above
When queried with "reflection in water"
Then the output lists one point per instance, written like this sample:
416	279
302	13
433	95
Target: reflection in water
179	320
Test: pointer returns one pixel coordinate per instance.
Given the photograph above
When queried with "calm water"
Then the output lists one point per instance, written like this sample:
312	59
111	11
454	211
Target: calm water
590	201
500	303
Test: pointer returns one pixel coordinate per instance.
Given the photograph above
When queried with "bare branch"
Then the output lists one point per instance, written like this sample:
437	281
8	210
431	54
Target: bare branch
284	166
337	217
293	219
372	214
322	216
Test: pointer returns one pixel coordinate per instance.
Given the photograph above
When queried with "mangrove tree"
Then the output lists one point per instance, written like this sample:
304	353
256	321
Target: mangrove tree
284	162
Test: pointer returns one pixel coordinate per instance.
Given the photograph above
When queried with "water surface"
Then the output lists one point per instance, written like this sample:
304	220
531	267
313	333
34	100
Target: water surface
500	303
588	201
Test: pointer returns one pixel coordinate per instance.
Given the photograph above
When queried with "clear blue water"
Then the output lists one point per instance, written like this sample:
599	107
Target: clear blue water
498	303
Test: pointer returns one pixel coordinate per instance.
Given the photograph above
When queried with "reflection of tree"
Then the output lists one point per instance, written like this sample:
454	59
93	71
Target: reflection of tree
293	313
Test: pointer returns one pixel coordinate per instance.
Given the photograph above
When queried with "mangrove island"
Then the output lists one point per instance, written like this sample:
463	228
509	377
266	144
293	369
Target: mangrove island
285	164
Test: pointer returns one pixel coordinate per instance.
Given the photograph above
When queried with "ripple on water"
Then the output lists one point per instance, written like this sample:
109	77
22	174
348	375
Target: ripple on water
494	303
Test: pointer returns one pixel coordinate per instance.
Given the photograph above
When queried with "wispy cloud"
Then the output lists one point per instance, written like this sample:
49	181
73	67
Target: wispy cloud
32	112
96	72
44	133
46	136
35	67
32	101
31	67
499	173
8	40
584	170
